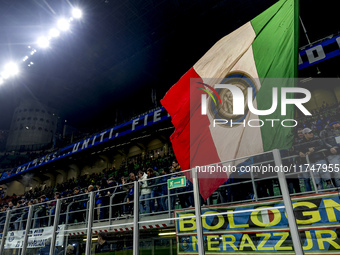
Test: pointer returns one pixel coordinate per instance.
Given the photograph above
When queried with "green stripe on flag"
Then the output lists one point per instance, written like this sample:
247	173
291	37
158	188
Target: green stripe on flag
275	55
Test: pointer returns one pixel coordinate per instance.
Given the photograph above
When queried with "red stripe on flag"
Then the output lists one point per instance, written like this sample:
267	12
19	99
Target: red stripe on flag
192	141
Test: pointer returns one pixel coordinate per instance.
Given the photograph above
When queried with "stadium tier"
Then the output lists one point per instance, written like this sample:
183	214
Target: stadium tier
242	156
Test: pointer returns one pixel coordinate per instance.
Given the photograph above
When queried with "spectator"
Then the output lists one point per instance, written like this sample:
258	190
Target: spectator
103	245
164	189
333	148
156	190
310	147
69	249
301	161
102	200
145	193
78	206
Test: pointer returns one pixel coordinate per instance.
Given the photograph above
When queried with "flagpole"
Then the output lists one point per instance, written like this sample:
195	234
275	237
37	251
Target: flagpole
198	213
304	30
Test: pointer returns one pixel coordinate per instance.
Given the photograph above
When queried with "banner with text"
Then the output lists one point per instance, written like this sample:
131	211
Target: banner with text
38	237
259	227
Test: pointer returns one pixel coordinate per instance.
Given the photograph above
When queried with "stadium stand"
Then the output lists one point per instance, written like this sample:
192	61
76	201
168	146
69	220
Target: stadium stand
113	188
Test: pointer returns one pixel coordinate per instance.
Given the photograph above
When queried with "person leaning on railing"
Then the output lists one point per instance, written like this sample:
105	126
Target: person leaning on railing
164	189
145	192
156	190
311	146
333	147
300	161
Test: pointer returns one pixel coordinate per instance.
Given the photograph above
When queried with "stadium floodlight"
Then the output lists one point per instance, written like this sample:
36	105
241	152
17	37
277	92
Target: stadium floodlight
10	70
54	32
63	25
43	42
77	13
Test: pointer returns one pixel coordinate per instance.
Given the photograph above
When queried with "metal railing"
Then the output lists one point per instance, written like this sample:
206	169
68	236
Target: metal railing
88	212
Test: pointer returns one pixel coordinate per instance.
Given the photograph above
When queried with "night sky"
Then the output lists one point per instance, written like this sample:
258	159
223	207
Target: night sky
105	68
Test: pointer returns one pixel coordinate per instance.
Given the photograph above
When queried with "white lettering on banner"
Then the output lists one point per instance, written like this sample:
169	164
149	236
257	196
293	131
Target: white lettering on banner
53	157
94	139
315	54
338	41
35	162
102	136
36	237
41	160
110	136
85	144
75	147
300	60
134	124
145	120
156	115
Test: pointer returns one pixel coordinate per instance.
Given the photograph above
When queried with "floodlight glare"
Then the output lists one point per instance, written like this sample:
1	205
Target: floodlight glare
10	69
54	32
43	42
77	13
63	25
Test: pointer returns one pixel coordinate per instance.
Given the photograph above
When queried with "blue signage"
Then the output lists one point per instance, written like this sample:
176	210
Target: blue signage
138	123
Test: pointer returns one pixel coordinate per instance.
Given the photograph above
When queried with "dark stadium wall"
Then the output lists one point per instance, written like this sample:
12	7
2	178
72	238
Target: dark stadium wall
154	144
51	181
61	176
73	171
15	187
330	95
135	150
117	160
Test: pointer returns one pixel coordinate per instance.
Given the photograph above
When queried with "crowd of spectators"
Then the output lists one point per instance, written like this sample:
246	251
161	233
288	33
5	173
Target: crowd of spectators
109	184
316	144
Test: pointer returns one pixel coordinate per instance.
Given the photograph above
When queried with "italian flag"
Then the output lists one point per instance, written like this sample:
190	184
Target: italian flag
265	50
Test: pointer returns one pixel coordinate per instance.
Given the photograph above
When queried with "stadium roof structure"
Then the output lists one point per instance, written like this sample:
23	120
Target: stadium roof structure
112	60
